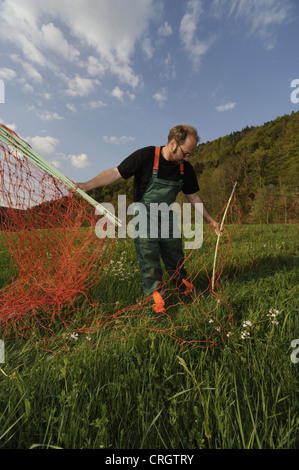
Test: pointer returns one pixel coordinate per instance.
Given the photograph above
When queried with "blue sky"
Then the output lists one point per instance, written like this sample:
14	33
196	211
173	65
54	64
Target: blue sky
89	81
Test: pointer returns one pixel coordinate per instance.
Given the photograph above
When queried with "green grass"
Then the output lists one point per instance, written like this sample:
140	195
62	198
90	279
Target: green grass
151	391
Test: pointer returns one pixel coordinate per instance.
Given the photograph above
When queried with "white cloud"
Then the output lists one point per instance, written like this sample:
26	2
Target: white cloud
195	48
30	70
260	16
96	104
55	163
165	30
160	97
7	74
32	73
71	107
147	48
131	96
47	116
79	161
168	69
43	145
32	37
79	86
13	127
125	74
96	67
118	140
52	38
118	93
108	28
28	88
225	107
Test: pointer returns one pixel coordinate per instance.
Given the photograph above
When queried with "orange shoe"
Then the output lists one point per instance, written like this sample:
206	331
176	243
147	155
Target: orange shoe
159	305
189	287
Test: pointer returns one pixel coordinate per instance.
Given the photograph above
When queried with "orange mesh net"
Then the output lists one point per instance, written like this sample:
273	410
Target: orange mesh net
66	283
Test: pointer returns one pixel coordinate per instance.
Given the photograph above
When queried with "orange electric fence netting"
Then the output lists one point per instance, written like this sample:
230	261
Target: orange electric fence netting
57	275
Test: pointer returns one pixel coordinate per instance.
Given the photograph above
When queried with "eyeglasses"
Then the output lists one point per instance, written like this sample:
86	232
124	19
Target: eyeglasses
185	154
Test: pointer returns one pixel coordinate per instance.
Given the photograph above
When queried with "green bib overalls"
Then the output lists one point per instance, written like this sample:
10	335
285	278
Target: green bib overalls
149	249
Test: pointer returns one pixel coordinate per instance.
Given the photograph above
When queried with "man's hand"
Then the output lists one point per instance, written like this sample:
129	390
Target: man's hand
82	186
103	179
216	227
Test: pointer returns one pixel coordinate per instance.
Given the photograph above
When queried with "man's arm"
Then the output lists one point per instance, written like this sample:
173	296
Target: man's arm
196	199
103	179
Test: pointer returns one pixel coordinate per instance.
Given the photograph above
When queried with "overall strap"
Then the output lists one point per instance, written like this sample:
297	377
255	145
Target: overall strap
156	162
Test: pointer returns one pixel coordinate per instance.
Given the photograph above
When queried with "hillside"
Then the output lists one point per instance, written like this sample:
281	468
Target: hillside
262	159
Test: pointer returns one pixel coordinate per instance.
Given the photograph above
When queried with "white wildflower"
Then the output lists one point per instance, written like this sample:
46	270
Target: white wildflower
74	336
245	334
272	314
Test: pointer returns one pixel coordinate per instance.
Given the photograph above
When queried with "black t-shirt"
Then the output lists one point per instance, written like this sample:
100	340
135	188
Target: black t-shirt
140	164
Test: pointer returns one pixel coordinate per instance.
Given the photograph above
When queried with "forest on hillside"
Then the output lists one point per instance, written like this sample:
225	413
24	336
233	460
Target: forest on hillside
263	160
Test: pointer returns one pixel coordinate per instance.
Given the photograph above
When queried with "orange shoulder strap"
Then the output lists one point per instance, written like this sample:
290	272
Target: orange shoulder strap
156	161
157	156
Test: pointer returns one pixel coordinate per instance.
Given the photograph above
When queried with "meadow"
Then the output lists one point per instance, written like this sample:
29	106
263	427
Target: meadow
151	390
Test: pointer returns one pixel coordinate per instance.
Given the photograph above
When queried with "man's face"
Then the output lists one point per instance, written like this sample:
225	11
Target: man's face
182	152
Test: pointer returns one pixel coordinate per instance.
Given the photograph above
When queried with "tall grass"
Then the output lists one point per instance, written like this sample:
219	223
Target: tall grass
149	391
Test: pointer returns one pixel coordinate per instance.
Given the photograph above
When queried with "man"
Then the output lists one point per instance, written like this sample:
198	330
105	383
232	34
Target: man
160	173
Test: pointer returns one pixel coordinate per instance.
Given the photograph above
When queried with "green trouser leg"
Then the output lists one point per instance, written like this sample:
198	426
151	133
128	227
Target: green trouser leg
164	244
173	258
148	252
